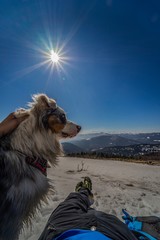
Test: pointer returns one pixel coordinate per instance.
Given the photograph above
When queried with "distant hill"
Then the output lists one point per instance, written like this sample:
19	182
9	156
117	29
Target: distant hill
132	150
144	138
71	148
99	142
119	144
83	136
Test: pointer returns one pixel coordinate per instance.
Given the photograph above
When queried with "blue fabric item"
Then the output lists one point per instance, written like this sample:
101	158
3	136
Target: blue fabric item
78	234
135	225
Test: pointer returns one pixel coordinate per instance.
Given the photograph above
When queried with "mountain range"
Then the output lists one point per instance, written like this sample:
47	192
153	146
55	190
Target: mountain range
100	142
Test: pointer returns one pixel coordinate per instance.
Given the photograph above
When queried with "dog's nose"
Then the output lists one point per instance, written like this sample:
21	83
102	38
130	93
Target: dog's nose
78	128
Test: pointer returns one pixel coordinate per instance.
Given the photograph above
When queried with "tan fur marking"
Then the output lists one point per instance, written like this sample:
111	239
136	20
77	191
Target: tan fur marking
55	125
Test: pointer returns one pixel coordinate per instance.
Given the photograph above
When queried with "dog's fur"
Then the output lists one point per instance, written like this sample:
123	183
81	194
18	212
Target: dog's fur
22	186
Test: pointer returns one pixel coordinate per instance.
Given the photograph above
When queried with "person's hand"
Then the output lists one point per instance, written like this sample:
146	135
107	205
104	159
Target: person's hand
10	123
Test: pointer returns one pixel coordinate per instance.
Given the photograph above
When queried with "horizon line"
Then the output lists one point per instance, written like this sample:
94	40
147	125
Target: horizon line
117	131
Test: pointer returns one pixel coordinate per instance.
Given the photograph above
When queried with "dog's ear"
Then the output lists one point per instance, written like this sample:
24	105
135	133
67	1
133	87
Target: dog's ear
43	100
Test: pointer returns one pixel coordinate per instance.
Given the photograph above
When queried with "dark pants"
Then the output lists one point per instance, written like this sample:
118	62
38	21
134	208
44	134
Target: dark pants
75	213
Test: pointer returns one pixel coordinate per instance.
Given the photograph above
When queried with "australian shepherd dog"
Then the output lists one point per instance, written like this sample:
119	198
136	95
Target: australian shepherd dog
24	157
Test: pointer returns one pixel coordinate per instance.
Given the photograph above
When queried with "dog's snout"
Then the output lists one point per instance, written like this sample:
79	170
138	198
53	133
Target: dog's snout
78	128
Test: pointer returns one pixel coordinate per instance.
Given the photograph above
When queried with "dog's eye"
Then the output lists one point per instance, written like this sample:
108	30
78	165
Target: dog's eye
63	118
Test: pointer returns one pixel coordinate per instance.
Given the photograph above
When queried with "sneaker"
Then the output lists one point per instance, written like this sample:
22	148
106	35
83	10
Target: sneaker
78	186
87	183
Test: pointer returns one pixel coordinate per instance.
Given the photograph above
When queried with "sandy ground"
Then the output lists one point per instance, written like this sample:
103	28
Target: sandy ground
116	185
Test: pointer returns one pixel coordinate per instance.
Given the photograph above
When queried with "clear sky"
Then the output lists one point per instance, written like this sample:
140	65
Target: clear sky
109	74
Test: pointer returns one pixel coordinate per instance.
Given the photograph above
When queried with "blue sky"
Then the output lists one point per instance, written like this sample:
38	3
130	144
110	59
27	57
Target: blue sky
109	78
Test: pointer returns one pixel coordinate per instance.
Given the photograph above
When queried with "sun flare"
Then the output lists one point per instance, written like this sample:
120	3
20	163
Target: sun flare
54	57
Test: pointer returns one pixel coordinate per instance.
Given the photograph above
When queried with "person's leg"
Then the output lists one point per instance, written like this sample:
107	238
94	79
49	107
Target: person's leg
69	214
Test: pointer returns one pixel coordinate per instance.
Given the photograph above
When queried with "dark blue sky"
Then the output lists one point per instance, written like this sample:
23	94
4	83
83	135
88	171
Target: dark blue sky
110	78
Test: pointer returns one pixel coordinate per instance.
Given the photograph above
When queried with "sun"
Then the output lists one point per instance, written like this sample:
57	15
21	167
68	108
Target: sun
50	57
54	57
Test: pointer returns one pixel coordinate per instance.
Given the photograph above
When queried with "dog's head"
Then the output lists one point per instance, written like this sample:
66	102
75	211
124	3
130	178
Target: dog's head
50	116
46	124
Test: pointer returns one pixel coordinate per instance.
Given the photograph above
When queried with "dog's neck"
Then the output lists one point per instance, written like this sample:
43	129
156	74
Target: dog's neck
42	144
39	163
